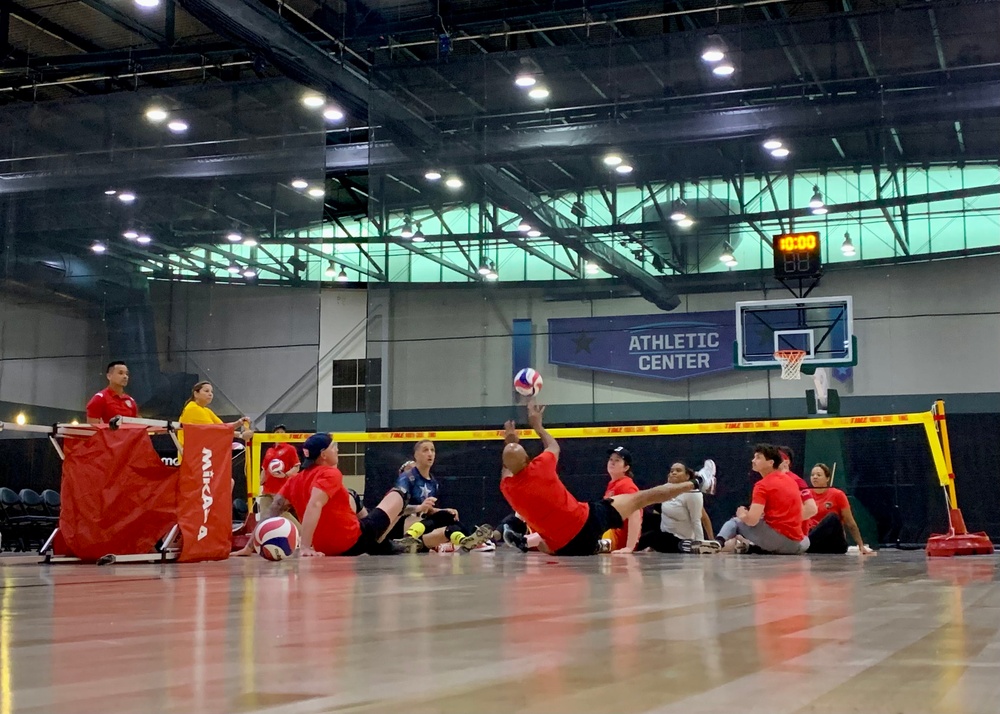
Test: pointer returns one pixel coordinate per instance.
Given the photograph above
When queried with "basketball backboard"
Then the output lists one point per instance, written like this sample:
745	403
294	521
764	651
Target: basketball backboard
822	327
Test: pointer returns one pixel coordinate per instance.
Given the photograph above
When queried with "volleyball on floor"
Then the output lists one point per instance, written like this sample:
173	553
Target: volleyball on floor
527	382
276	467
275	538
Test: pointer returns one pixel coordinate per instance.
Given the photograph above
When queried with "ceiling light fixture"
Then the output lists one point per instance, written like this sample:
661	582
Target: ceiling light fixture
316	192
453	182
624	169
685	223
538	93
592	268
727	253
312	100
534	233
300	184
156	114
178	126
523	226
130	235
98	247
847	247
143	239
110	192
331	270
714	50
249	272
725	68
612	160
679	211
234	237
407	231
780	152
484	267
126	197
772	144
233	269
492	272
342	276
525	79
147	3
250	242
433	175
20	419
418	235
333	114
816	203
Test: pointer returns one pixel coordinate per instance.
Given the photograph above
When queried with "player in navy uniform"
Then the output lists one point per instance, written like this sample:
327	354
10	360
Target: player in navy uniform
423	490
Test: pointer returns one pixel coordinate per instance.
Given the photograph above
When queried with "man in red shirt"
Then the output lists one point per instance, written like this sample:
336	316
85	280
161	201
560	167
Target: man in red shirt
808	502
566	526
280	462
773	522
112	401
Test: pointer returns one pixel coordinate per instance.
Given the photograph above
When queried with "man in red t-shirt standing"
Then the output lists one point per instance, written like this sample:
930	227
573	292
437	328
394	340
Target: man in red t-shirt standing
112	401
773	522
566	526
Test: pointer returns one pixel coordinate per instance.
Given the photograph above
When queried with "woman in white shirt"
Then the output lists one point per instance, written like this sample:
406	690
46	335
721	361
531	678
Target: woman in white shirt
684	525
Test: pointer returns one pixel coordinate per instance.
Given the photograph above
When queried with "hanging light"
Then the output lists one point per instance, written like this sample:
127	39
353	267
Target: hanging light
453	182
20	419
612	160
817	198
523	226
98	247
316	192
177	126
534	233
772	144
333	114
433	175
300	184
685	223
156	114
780	153
539	93
233	269
110	192
725	68
624	169
331	270
679	211
418	235
250	242
714	49
847	247
727	254
313	100
342	276
592	268
491	274
407	231
130	234
484	267
126	196
249	272
143	239
234	237
525	79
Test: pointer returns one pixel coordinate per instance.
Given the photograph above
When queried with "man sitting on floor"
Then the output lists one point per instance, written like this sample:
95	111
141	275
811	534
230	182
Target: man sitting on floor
566	526
773	523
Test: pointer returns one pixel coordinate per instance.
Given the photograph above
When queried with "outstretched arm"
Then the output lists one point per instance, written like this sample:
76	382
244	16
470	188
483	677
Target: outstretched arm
535	421
851	526
510	433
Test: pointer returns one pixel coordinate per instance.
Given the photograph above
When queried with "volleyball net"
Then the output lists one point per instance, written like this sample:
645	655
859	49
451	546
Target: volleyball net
881	460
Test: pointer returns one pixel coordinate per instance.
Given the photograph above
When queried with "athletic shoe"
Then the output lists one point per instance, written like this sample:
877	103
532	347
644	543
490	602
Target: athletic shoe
604	545
407	544
487	547
704	478
515	539
480	536
742	545
700	547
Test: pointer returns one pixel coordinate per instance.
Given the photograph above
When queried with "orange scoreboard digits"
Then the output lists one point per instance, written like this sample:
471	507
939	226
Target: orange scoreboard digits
797	255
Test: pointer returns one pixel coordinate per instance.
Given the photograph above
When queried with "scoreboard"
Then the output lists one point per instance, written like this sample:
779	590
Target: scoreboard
797	255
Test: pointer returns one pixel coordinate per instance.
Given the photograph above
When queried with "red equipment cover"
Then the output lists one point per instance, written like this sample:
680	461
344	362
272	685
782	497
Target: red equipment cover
117	496
204	492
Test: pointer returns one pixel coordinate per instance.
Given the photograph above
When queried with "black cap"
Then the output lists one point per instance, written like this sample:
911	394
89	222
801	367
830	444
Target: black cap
316	444
623	452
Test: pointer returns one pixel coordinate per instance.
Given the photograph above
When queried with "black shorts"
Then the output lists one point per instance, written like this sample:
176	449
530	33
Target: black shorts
603	517
373	526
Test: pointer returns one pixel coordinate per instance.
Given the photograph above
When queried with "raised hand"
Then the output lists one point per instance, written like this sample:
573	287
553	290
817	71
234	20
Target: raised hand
535	412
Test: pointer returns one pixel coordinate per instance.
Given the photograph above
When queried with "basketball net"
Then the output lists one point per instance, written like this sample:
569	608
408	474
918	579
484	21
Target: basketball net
791	363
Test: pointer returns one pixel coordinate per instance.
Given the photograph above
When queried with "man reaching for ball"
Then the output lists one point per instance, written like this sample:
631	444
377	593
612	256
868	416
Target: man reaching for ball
566	526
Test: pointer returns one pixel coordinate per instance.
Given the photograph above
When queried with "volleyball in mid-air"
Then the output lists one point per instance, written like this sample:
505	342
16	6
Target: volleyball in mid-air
275	538
527	382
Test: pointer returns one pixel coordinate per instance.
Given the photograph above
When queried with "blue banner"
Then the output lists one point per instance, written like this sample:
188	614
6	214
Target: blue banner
657	346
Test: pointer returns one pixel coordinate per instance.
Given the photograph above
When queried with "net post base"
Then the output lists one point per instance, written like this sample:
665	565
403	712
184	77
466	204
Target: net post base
958	541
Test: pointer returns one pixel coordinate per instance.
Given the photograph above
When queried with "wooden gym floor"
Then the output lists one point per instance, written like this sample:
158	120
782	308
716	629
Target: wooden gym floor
504	633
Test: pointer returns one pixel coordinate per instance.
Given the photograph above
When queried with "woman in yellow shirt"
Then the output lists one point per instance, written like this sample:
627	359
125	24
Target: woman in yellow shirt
196	411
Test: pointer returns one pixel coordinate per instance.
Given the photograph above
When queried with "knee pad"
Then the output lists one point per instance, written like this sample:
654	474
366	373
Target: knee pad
402	493
356	499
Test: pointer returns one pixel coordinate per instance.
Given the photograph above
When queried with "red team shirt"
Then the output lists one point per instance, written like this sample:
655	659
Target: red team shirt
288	456
782	501
833	500
338	528
105	405
618	487
541	499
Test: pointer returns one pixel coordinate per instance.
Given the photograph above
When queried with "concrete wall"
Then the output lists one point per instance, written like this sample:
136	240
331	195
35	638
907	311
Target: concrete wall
923	329
52	353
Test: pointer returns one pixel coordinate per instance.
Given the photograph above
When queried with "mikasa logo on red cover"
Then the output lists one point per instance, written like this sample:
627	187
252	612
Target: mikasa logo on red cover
206	489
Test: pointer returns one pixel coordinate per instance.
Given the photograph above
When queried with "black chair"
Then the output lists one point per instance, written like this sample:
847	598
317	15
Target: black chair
38	523
240	510
15	521
33	504
53	503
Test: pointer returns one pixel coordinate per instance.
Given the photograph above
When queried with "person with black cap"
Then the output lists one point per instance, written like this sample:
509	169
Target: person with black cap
622	540
330	524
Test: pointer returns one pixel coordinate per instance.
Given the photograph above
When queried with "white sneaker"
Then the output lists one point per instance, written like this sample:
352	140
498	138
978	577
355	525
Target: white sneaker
707	477
700	547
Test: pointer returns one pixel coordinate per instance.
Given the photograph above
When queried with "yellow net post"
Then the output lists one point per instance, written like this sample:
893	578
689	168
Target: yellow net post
942	424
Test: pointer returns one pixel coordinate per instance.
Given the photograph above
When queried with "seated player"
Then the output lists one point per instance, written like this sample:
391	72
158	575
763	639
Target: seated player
683	527
622	540
773	523
808	502
197	411
422	491
826	529
112	401
566	526
280	462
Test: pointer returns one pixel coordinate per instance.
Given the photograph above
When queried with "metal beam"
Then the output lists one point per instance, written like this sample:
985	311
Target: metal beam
126	21
342	261
43	24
